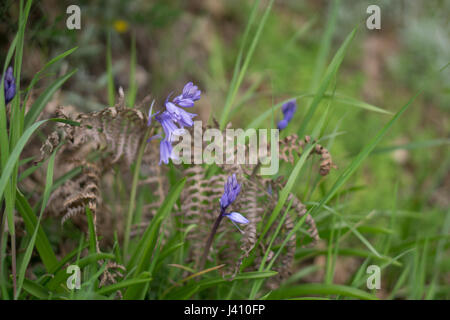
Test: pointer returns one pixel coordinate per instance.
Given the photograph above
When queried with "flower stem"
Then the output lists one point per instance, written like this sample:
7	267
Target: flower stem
134	185
210	239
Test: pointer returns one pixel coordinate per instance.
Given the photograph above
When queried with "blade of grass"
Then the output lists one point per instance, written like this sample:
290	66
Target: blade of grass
208	283
234	89
43	246
44	98
134	187
132	86
144	278
36	77
61	275
15	132
141	258
413	145
257	122
320	289
329	75
29	250
237	64
109	72
287	189
15	154
325	44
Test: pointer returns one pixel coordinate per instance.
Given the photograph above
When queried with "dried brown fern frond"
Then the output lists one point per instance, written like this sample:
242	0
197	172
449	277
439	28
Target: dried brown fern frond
85	192
116	131
102	139
292	144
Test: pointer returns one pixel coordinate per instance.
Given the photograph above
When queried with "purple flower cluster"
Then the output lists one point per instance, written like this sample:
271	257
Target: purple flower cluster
231	191
288	110
9	85
190	94
174	119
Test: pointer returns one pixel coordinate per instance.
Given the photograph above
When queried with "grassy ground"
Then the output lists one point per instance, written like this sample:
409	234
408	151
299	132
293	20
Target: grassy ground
387	203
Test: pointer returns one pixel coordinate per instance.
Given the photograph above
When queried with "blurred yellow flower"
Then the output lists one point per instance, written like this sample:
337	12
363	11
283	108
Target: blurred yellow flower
121	26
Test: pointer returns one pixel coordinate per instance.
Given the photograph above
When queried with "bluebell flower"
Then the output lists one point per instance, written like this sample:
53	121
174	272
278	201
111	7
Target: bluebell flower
180	116
165	151
288	110
190	94
9	85
174	119
231	190
169	127
236	217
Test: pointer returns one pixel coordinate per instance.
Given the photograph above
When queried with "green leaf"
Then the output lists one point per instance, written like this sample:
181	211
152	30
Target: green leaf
29	250
197	286
92	234
142	256
347	173
15	154
143	278
257	122
109	71
239	73
35	289
329	75
132	86
62	275
287	189
325	44
320	289
43	246
47	65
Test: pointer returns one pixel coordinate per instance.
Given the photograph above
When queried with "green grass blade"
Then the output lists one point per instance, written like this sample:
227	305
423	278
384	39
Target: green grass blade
142	257
414	145
43	246
243	70
29	250
320	289
15	154
44	98
144	278
237	64
47	65
197	286
287	189
329	75
61	275
36	290
325	44
258	121
347	173
132	85
109	72
92	234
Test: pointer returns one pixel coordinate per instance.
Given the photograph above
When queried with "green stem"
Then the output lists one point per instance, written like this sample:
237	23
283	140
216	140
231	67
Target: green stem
134	185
